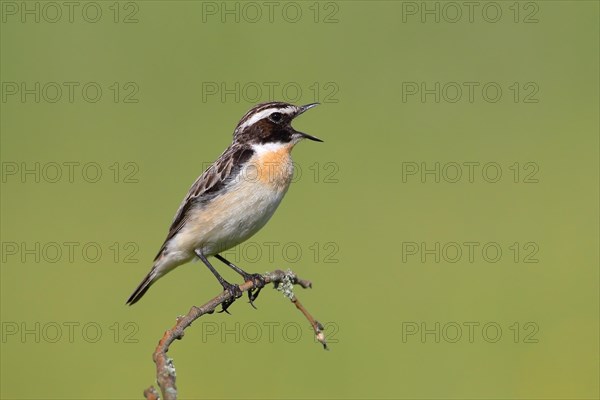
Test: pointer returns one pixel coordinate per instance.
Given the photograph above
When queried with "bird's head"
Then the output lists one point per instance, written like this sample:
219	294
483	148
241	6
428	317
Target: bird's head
272	123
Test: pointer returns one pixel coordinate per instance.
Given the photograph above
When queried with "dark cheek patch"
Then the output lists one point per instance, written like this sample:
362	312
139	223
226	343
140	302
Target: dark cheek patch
279	135
266	131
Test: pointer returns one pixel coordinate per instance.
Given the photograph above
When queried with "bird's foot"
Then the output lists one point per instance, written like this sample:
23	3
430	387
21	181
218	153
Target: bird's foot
234	291
259	283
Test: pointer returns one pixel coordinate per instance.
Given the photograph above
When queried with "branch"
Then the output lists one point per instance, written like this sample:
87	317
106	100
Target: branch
165	370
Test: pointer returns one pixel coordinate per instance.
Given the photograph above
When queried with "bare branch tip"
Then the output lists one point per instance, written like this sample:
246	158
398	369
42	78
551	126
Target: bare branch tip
151	393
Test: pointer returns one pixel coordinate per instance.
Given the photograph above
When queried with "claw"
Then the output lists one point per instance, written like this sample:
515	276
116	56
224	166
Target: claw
224	309
252	295
259	283
235	292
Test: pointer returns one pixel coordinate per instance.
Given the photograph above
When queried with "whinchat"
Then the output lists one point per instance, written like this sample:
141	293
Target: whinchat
234	197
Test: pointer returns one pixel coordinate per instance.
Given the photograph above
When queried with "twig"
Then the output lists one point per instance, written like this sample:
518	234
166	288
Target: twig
165	370
151	394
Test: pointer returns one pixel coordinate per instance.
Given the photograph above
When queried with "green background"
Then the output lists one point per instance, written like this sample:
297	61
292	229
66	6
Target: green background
358	209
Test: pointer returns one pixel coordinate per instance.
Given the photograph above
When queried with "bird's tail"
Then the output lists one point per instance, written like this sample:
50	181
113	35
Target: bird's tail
144	286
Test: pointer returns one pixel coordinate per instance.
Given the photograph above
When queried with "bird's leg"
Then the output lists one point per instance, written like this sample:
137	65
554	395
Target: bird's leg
234	290
257	279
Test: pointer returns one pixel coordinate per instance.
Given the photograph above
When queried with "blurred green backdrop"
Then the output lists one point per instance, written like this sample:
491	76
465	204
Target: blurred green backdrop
417	301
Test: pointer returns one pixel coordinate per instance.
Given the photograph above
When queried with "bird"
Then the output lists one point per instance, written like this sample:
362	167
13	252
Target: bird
234	197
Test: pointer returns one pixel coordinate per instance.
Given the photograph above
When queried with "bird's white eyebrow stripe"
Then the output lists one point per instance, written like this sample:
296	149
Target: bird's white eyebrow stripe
265	113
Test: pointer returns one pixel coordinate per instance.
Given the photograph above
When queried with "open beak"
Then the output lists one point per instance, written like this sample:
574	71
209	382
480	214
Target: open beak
301	111
307	107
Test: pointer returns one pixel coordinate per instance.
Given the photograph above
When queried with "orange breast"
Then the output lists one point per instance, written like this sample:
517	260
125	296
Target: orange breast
275	167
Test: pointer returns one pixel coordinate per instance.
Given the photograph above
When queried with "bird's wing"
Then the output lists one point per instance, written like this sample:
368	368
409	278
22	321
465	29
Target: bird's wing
226	168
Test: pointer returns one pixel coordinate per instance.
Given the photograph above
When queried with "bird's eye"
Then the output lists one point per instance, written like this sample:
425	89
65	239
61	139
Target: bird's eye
276	117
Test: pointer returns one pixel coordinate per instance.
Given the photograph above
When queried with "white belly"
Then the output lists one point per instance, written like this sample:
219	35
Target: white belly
229	219
247	211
